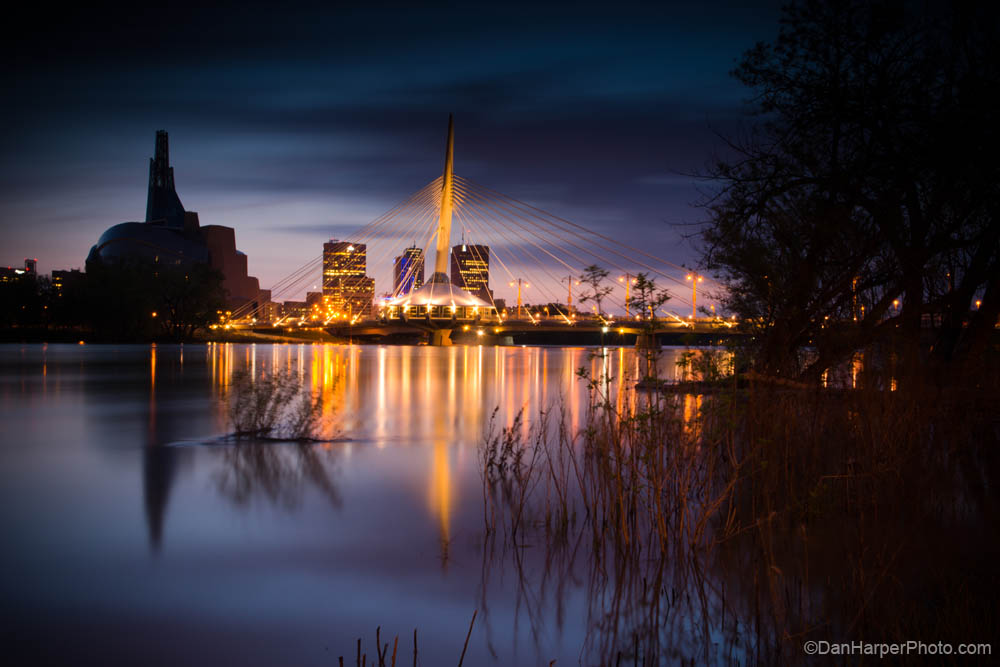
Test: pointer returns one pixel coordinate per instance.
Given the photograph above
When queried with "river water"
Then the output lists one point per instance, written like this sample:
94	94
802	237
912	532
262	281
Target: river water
133	535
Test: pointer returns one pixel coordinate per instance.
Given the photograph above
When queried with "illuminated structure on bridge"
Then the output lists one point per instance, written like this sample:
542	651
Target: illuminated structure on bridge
440	304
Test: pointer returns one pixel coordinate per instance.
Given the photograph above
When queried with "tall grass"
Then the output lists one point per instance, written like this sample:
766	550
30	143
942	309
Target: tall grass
766	517
274	420
273	406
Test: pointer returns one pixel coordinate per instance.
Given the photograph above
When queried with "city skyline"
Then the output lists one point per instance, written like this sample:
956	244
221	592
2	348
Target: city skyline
592	120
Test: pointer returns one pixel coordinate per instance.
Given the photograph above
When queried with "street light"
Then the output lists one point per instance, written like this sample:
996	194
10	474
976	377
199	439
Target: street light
695	279
519	284
570	281
628	280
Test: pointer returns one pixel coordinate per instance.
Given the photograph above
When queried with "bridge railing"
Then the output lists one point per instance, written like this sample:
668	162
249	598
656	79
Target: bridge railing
438	313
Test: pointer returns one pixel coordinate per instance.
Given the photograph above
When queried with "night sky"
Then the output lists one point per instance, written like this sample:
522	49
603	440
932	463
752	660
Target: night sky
298	125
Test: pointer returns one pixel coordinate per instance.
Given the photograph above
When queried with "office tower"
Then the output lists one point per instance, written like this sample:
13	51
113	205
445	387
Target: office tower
347	291
408	271
470	270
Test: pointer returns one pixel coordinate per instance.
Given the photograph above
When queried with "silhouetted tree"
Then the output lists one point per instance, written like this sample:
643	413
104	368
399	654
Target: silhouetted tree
646	298
135	299
190	299
868	191
593	276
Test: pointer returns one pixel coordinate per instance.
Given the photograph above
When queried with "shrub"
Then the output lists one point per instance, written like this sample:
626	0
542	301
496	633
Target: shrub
273	406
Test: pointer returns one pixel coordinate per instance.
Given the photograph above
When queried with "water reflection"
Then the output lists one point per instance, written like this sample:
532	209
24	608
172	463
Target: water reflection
137	402
441	500
390	511
277	473
159	467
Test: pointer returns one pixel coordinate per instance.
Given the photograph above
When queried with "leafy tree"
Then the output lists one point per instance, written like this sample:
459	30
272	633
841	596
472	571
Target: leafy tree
190	299
593	276
646	299
864	201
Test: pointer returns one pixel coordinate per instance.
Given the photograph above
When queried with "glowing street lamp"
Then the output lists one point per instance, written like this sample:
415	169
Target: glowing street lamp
519	284
628	280
695	279
570	281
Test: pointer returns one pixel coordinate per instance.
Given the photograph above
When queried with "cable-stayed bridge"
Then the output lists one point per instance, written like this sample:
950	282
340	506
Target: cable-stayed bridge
575	277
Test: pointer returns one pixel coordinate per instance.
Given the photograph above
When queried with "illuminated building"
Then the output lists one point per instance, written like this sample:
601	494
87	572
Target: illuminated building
347	291
11	275
295	309
470	270
408	271
63	279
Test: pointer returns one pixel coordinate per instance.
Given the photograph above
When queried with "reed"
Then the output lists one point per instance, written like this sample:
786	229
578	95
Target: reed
382	650
276	405
762	514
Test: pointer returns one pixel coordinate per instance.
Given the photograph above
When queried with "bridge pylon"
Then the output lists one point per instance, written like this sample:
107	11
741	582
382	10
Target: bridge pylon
438	305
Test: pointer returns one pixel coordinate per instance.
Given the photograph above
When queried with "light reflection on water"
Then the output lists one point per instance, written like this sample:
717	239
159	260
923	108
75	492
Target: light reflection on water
206	553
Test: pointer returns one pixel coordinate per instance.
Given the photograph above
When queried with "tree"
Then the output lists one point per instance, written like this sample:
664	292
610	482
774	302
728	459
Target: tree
593	276
139	299
646	299
864	202
190	299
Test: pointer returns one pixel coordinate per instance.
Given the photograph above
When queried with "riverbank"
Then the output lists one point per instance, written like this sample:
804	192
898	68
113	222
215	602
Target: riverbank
30	335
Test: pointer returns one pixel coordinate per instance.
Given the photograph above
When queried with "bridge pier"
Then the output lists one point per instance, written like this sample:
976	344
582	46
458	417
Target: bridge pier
646	341
441	337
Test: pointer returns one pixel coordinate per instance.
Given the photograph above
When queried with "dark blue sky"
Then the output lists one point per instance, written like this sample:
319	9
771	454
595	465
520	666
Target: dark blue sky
297	125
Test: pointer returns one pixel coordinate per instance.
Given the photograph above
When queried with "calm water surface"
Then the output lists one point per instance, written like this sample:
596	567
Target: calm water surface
133	536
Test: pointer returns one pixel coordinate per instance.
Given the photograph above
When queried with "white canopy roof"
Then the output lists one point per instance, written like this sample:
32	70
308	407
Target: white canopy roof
438	291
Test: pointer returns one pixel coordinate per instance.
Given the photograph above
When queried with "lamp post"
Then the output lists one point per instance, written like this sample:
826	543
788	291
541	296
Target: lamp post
519	284
570	281
695	279
628	280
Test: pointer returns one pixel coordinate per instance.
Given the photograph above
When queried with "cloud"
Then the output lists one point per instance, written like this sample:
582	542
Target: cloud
677	180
